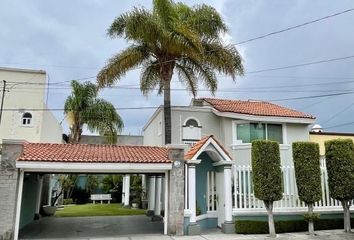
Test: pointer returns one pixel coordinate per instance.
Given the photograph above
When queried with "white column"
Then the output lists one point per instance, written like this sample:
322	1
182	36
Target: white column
127	190
50	187
143	182
192	193
166	182
39	194
157	211
123	189
151	194
162	193
18	204
228	193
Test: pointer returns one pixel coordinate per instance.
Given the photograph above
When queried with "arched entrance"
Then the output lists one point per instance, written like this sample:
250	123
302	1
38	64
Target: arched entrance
209	187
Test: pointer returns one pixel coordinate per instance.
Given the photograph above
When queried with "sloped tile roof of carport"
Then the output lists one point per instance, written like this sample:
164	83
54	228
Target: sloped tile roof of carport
42	157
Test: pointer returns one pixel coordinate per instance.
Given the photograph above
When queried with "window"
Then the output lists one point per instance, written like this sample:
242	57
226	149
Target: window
191	130
247	132
26	118
191	123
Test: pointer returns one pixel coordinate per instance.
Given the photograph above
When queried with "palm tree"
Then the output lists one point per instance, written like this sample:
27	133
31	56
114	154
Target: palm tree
172	37
83	107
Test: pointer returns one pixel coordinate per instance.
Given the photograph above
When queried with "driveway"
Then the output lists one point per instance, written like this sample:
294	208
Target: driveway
90	227
141	228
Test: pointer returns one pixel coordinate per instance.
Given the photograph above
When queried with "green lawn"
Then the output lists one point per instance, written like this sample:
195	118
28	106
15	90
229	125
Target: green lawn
86	210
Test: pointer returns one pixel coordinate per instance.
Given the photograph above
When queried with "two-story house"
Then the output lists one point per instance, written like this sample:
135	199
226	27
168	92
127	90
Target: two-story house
218	176
25	115
234	123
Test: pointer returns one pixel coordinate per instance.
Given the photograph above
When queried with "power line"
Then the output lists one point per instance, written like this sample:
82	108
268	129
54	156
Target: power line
154	107
294	27
235	44
338	113
316	96
340	125
302	64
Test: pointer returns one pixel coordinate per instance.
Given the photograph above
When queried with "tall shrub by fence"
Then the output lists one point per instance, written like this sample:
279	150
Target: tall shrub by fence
340	167
306	156
267	176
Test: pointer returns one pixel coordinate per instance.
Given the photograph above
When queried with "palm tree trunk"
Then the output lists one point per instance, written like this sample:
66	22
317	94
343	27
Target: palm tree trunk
167	111
166	76
76	131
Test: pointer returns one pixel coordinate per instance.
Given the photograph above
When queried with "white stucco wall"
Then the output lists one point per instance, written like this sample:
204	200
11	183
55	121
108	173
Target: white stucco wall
51	131
151	134
26	91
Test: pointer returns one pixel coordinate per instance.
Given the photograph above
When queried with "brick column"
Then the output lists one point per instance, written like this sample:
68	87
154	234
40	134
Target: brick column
9	175
175	220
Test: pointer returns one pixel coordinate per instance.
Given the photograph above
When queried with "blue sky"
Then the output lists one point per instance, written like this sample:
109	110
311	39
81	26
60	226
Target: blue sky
67	39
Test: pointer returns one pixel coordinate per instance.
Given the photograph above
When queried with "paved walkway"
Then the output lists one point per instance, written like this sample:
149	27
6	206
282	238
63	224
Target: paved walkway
140	228
90	227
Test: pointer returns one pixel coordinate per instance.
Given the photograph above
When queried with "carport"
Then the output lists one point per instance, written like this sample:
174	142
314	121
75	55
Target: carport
39	158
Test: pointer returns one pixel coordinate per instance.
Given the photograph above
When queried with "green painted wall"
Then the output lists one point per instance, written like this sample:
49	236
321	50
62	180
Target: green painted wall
28	205
201	181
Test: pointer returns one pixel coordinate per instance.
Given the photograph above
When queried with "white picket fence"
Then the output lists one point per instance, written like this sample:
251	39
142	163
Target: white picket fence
244	198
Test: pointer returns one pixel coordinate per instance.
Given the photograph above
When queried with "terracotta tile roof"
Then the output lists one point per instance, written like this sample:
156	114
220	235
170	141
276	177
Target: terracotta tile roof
258	108
198	145
47	152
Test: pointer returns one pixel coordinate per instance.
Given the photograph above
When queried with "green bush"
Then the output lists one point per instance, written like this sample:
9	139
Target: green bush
267	176
68	201
340	168
306	157
261	227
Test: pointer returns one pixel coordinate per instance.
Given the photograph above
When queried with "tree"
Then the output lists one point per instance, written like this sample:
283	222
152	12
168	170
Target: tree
172	37
67	184
306	157
91	183
267	176
113	184
83	107
340	168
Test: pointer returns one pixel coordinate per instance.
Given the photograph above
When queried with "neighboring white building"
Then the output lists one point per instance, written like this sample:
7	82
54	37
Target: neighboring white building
22	117
234	123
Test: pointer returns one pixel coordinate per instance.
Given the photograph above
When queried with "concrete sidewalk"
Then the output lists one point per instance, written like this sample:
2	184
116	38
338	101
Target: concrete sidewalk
217	235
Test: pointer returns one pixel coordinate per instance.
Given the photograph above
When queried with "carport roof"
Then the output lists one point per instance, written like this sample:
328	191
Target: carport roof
84	153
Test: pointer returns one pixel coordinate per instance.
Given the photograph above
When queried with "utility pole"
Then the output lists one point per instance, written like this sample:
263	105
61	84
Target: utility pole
2	98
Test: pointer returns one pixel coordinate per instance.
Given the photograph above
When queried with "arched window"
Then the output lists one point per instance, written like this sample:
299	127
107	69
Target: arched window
26	118
191	130
191	123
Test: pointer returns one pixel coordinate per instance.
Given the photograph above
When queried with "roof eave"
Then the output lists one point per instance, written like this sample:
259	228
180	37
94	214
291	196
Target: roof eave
264	118
92	167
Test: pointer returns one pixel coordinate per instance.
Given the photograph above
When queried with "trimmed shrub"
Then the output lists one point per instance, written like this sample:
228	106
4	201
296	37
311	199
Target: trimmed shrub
261	227
306	157
340	168
267	176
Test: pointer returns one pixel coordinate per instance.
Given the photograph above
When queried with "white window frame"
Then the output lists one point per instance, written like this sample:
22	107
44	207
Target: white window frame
235	141
30	124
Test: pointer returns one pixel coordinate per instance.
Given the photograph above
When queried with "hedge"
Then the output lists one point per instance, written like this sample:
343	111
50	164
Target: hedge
340	168
261	227
306	157
267	176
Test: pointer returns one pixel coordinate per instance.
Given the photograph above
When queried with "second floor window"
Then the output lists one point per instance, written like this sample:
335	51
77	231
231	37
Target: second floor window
247	132
26	118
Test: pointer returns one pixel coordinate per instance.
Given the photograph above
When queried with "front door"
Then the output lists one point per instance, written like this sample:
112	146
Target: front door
220	207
